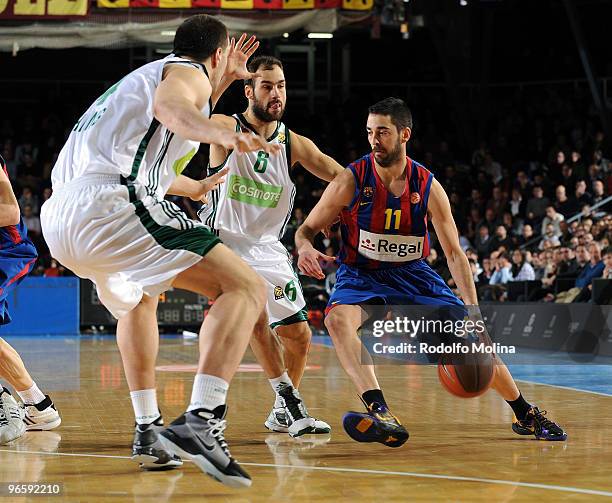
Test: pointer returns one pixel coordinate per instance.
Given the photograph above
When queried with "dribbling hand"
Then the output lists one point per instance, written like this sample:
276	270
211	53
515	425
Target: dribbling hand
308	262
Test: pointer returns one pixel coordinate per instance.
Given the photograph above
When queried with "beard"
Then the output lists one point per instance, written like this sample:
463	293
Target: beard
263	114
387	159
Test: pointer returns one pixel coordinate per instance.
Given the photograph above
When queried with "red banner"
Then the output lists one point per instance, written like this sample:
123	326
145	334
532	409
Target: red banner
46	9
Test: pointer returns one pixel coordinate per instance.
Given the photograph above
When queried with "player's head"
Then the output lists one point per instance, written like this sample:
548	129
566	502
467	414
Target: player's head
201	37
389	127
266	93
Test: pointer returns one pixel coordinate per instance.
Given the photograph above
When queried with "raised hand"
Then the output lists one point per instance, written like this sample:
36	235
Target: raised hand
239	53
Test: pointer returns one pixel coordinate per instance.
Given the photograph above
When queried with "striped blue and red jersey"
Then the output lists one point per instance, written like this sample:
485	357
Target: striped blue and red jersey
379	229
12	235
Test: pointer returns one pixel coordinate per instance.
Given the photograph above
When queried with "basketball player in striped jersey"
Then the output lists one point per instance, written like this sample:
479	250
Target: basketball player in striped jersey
385	200
250	213
108	221
17	259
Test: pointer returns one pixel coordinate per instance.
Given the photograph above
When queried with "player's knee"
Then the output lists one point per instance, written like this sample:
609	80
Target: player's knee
261	326
334	324
255	290
304	335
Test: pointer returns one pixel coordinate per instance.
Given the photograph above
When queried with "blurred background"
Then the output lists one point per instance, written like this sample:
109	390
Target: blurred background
511	102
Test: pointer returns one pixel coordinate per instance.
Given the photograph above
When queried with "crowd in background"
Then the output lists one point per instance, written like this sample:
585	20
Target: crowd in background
526	200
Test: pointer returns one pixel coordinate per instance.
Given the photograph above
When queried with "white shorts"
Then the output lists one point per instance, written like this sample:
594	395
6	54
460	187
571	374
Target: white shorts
286	304
126	248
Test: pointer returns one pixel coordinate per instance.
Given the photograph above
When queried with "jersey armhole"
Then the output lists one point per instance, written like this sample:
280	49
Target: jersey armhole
426	192
356	194
288	149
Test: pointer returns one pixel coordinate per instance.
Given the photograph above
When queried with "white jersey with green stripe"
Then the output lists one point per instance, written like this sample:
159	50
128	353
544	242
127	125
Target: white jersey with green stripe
250	211
119	135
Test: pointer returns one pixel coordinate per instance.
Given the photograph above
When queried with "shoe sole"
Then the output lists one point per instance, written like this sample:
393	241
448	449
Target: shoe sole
148	463
44	426
526	432
275	427
352	423
301	427
206	466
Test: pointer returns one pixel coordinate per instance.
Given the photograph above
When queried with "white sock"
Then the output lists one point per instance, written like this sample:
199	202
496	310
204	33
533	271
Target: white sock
276	383
145	406
32	395
208	392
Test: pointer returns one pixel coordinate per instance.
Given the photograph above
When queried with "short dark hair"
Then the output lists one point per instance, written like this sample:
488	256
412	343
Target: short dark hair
199	36
607	251
262	62
395	108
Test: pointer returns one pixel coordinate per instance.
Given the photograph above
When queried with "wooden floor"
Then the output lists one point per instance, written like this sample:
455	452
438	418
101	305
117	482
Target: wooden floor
459	450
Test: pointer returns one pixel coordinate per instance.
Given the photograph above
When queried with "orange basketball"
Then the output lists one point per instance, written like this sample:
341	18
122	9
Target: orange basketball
466	376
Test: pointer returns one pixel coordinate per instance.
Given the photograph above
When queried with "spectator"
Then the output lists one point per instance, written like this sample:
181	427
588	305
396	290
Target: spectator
521	269
536	206
607	259
497	203
484	277
493	169
501	239
32	221
517	204
549	239
563	204
27	198
483	241
582	196
526	237
503	271
553	218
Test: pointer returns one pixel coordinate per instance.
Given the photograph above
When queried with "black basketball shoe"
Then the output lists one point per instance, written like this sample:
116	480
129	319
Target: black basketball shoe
536	423
376	425
148	451
198	435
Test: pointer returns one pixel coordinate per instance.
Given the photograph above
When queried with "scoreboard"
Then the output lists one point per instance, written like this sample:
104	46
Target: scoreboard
177	309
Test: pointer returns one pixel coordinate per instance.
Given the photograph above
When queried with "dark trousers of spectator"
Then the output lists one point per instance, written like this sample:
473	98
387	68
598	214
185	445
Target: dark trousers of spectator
491	292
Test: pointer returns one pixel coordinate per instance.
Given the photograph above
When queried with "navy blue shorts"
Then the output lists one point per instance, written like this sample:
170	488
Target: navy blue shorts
16	262
414	283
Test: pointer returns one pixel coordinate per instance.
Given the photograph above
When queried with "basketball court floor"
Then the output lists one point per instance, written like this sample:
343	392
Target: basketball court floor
459	450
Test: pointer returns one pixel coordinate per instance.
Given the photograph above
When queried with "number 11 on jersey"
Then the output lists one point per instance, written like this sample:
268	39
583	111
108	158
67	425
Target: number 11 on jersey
389	214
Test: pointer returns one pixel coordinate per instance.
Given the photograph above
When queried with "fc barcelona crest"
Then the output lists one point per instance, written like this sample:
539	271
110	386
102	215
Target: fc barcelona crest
368	191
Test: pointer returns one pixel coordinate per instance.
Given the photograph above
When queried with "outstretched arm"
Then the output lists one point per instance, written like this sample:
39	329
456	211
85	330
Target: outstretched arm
304	151
446	230
337	195
196	190
9	208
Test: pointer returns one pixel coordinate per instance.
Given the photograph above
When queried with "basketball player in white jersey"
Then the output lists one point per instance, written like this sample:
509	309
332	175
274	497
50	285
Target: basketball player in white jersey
250	212
107	221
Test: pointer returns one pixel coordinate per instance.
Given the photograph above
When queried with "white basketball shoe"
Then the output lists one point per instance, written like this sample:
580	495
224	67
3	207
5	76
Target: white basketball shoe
11	418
